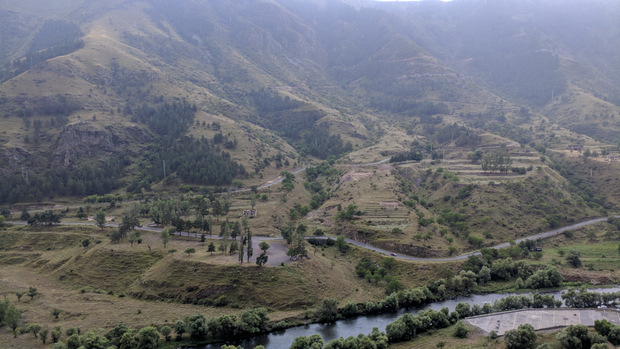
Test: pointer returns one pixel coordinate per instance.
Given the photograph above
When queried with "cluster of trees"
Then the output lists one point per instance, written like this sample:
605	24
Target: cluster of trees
169	120
81	181
608	330
314	186
109	198
376	340
496	161
348	213
283	114
461	135
295	237
320	143
410	156
579	186
578	336
48	217
251	322
410	326
582	298
507	269
121	336
193	160
266	102
371	272
196	161
397	104
10	316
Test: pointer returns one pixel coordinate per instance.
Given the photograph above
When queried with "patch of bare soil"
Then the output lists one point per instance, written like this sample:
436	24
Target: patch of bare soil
391	204
594	278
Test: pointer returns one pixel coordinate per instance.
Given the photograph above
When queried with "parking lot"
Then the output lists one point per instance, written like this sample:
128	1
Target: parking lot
542	319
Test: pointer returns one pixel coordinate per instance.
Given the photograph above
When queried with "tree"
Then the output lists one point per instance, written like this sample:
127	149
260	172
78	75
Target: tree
574	336
262	259
341	243
148	338
134	237
165	236
614	335
254	321
32	292
100	219
34	328
19	295
43	333
234	247
86	243
249	248
524	337
56	333
573	259
225	234
460	331
12	317
264	246
25	216
211	248
165	331
328	312
189	251
179	329
347	214
603	327
197	327
56	312
128	223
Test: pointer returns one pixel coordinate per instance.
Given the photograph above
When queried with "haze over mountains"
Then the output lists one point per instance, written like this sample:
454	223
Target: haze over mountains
315	78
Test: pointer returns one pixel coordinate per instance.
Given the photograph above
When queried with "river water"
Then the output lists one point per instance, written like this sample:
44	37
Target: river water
364	324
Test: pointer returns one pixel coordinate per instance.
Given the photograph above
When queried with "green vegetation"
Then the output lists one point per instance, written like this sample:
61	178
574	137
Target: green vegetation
84	180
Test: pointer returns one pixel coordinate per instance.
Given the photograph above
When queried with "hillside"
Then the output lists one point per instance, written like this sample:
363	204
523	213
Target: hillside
429	129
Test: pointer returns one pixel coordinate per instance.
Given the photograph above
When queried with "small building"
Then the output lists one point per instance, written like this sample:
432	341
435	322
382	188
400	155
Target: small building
250	213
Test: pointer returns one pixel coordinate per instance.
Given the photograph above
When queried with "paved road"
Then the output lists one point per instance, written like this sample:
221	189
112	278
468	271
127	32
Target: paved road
544	235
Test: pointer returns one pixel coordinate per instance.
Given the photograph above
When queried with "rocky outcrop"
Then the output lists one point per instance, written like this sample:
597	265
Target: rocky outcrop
87	140
14	159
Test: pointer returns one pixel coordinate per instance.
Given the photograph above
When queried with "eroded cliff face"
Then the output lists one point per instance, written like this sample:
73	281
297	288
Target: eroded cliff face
14	160
87	140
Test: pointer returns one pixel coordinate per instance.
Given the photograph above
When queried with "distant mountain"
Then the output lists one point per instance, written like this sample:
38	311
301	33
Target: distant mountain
83	81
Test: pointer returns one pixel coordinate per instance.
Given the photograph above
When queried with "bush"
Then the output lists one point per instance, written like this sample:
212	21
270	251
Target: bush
328	312
460	331
524	337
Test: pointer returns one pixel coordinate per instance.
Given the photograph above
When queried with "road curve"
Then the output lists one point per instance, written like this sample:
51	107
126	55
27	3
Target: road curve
543	235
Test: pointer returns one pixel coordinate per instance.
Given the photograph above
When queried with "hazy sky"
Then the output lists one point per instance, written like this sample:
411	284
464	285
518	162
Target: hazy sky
406	0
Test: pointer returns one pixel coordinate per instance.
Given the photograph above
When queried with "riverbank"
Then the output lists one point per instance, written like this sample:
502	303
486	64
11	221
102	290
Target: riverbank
365	323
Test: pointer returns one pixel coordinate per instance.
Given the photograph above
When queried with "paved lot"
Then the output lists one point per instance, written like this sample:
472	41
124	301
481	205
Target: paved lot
542	319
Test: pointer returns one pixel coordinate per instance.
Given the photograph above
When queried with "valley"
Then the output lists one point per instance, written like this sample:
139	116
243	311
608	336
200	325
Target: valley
275	163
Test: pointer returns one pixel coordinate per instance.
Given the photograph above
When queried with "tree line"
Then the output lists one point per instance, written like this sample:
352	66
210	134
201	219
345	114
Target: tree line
80	181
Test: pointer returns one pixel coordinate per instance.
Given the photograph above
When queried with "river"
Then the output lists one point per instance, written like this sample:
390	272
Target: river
364	324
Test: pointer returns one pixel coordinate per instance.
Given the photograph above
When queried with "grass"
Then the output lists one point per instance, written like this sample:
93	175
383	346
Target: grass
598	248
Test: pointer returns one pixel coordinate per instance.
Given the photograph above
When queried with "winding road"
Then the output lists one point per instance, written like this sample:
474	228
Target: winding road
543	235
278	180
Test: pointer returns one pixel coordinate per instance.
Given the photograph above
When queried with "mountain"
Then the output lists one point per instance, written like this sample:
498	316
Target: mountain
121	85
